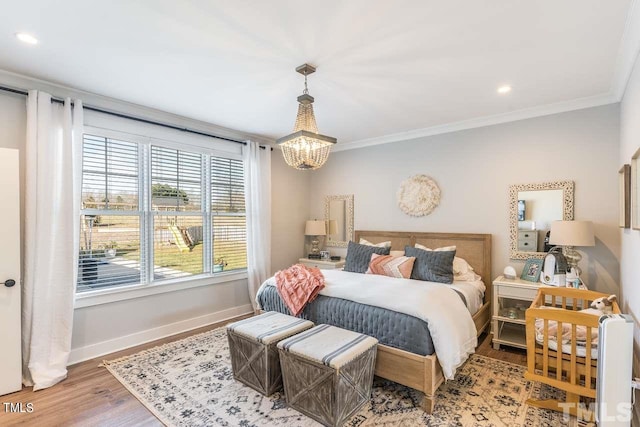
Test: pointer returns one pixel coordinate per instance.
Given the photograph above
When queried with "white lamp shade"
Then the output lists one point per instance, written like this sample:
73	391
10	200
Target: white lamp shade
332	226
315	228
572	233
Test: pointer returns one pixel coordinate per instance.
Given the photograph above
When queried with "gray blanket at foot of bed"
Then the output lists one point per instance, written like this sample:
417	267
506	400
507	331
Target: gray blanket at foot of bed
391	328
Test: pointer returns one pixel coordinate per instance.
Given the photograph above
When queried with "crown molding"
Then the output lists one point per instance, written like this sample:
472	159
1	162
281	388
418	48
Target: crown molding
512	116
628	51
627	56
22	82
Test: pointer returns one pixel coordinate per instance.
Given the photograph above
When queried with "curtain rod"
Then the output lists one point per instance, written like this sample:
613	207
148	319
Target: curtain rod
137	119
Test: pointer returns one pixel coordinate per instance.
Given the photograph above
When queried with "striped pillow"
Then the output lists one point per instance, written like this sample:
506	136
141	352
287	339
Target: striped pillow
392	266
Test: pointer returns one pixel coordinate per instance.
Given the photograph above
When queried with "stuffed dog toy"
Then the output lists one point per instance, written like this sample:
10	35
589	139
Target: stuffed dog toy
604	304
599	307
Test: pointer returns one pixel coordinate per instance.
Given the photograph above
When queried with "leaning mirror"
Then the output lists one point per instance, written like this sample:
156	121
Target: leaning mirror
338	214
532	208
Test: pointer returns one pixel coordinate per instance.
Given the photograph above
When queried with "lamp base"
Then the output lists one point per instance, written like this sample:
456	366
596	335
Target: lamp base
573	258
315	249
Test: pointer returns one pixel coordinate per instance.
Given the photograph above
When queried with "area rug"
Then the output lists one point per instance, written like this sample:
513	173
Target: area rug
190	383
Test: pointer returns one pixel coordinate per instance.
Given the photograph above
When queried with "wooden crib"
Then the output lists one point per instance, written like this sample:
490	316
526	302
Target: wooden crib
562	367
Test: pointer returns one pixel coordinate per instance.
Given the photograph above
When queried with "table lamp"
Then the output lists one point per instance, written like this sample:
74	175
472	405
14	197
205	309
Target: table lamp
569	234
315	228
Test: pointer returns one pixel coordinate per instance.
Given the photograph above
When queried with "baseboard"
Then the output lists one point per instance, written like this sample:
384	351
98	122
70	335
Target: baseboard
105	347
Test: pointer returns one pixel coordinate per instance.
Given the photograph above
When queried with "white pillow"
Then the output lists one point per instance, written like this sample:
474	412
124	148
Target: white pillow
460	266
469	276
442	249
377	245
396	253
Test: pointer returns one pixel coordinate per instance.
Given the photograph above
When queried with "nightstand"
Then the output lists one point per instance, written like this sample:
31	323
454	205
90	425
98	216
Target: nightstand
527	240
322	264
511	297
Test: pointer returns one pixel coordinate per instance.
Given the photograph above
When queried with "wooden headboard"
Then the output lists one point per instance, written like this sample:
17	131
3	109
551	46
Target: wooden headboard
474	248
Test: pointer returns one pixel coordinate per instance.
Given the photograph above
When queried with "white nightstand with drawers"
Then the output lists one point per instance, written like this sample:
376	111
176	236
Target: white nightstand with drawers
322	264
510	300
527	240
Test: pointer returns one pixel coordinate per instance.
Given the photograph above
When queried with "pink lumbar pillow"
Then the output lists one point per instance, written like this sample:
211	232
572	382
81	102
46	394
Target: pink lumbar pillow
392	266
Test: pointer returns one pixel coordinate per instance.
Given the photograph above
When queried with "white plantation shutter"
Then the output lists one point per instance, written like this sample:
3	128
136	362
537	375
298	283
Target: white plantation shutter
227	185
176	180
152	213
110	221
176	199
110	174
228	213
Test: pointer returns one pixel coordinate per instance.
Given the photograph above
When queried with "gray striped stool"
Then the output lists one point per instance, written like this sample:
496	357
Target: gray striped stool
328	372
252	345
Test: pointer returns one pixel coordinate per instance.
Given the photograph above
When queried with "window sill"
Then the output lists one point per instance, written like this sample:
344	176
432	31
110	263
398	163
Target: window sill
106	296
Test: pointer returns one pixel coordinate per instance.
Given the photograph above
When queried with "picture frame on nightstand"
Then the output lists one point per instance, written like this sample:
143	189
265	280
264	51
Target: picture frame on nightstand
532	269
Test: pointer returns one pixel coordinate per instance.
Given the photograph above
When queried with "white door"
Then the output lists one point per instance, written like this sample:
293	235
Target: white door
10	336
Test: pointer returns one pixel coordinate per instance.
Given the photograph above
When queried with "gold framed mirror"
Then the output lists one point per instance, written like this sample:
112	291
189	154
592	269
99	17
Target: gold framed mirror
338	214
532	208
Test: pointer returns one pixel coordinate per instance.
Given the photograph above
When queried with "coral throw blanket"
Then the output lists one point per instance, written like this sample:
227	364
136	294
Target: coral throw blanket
298	285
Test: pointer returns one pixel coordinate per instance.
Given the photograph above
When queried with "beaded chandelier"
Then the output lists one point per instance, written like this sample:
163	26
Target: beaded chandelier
305	148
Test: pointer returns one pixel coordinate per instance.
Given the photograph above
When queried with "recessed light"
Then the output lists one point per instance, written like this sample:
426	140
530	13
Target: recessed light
26	38
504	89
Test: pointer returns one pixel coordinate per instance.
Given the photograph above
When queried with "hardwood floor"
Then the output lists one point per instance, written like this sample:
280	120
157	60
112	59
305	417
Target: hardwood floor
507	354
91	396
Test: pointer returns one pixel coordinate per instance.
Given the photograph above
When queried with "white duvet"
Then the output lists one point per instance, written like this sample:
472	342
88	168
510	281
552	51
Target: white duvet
449	321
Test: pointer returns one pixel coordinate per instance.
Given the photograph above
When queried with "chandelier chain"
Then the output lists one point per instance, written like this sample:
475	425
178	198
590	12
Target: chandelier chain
306	90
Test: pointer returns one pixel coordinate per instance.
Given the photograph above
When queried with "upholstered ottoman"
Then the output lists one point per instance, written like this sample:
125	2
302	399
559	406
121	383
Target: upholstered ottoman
252	344
328	372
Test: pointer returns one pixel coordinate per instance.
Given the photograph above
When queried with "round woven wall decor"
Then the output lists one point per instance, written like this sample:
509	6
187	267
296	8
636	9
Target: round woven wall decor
418	195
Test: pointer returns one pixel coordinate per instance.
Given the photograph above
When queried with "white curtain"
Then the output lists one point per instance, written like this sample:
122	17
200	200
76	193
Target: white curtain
52	198
257	187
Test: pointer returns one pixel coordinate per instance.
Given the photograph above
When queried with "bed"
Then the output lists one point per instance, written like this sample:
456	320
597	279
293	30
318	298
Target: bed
408	357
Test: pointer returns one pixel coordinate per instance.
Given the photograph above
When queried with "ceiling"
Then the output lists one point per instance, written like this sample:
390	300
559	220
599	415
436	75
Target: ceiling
385	68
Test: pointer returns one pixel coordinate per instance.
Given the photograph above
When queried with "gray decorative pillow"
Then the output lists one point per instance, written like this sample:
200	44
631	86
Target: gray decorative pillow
431	266
359	256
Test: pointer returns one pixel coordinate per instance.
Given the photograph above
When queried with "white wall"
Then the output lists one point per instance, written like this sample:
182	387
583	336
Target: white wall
13	128
105	328
290	209
630	258
474	169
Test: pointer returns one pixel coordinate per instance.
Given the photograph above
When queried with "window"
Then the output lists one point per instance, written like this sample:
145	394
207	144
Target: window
152	213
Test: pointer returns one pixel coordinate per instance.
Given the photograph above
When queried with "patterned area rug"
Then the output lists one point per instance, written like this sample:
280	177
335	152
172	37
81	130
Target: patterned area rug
190	383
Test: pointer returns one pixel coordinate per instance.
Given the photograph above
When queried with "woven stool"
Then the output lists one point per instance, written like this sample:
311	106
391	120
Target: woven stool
328	372
252	345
